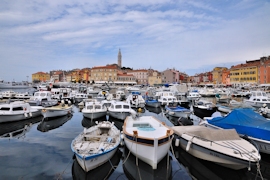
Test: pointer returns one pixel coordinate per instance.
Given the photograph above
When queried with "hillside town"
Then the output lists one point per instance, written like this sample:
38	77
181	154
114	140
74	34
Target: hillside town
251	72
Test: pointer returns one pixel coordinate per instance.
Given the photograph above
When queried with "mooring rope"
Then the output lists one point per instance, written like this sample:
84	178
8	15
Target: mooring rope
60	175
259	171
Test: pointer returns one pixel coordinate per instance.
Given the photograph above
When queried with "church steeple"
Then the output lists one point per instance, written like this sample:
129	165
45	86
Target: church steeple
119	58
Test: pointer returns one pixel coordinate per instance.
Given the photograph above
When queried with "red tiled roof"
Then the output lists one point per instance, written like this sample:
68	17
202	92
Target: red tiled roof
104	67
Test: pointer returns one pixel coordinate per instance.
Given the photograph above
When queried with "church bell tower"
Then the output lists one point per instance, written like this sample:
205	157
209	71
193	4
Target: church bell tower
119	58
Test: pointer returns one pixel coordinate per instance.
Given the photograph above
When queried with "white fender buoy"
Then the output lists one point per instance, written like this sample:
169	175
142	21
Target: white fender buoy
30	114
188	145
177	141
25	114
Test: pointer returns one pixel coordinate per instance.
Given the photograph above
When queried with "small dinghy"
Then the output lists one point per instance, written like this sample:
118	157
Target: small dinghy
96	145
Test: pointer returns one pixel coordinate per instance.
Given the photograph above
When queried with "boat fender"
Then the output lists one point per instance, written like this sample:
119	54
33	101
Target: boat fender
25	115
30	114
177	141
189	144
122	136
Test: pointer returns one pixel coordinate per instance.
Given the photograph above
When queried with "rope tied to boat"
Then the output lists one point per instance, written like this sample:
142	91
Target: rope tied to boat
259	171
134	137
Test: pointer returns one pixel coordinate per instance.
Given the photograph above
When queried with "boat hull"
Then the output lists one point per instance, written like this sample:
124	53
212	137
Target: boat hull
91	162
201	113
55	113
119	115
18	117
214	156
149	153
94	115
147	138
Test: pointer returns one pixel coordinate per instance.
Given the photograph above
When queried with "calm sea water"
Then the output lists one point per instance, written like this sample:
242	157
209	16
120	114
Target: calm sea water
37	149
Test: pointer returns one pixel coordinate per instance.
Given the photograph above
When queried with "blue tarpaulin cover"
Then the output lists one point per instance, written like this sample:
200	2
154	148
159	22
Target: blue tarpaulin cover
246	122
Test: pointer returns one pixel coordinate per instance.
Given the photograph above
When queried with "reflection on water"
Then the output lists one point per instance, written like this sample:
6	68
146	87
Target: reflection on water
17	129
53	123
48	155
134	168
205	170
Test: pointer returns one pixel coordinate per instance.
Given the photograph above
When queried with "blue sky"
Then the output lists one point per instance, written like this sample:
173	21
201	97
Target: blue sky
190	36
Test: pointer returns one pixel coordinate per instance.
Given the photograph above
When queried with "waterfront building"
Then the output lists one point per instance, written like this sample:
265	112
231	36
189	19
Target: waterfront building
170	76
264	70
125	79
86	74
58	75
242	74
155	78
141	75
102	74
183	77
226	77
217	74
40	77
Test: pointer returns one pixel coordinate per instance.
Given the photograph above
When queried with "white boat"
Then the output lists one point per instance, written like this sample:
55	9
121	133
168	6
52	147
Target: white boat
55	111
94	109
65	94
136	100
120	110
43	86
166	98
147	138
17	110
257	99
207	92
79	97
42	98
8	94
120	95
96	145
24	95
104	95
178	111
14	85
223	147
193	95
223	98
204	108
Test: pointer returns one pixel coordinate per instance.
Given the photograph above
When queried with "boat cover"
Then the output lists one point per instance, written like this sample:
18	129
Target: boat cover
246	122
176	108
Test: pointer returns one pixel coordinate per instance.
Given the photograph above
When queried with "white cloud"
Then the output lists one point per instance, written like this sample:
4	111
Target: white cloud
159	34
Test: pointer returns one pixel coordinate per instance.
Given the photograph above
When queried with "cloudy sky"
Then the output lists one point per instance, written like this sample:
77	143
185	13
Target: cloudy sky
188	35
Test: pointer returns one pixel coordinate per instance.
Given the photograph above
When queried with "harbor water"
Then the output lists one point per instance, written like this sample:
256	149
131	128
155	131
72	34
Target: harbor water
40	149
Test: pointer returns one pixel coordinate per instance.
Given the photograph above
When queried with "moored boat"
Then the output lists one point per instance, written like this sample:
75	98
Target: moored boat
247	123
147	138
96	145
221	146
55	111
204	108
94	109
177	111
17	110
120	110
